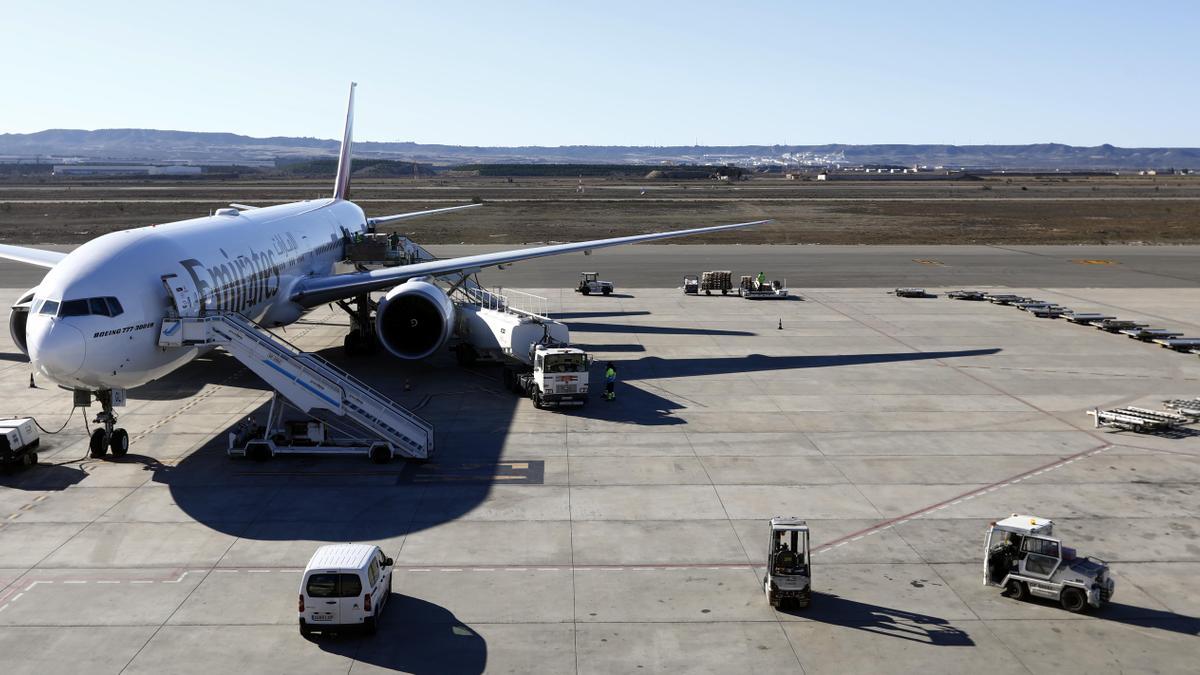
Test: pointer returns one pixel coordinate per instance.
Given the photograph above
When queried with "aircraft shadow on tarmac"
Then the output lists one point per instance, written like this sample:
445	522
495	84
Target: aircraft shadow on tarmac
193	377
884	621
414	636
657	367
612	348
60	474
347	498
637	329
17	357
596	315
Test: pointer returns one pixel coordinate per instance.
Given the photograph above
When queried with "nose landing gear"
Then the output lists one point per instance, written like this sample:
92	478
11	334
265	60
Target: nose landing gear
110	437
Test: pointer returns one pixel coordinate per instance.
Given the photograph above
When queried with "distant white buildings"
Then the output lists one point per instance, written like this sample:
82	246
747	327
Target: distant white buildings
124	170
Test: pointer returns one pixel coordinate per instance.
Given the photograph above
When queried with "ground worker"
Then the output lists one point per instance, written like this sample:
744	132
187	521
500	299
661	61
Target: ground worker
610	380
762	280
786	560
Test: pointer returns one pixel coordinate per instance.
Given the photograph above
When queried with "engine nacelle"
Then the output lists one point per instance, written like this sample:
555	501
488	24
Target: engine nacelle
18	318
414	319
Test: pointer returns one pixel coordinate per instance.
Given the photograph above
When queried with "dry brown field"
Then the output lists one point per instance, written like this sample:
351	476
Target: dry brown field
997	210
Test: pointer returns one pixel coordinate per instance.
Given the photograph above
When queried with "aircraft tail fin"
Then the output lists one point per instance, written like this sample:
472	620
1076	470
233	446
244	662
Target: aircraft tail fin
341	186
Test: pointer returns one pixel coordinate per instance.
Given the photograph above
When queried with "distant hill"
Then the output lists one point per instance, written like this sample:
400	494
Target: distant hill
156	145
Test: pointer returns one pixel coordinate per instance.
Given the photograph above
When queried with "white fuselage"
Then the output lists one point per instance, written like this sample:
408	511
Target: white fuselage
246	263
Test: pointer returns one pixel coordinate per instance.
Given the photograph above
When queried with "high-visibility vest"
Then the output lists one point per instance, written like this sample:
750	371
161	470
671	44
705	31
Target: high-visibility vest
610	375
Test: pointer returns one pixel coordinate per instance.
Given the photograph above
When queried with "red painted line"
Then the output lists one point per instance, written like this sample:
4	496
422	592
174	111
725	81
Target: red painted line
550	568
946	502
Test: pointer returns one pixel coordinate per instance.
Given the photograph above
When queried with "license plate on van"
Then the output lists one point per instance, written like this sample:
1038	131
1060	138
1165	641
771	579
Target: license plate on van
322	617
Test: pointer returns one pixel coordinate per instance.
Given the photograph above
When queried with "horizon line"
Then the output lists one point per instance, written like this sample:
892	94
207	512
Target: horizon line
611	145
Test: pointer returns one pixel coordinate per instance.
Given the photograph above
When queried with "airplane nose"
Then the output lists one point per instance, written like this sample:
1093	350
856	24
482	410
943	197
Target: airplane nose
56	349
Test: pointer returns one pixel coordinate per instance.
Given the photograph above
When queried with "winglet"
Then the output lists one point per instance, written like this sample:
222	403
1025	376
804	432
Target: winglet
341	186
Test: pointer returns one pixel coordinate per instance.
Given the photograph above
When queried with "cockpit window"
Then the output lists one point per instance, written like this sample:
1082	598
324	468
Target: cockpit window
74	308
105	306
98	306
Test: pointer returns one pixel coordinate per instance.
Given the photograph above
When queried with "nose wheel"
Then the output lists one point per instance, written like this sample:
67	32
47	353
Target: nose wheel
110	438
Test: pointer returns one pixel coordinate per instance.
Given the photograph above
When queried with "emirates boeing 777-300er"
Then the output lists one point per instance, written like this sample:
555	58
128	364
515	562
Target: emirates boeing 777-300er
93	323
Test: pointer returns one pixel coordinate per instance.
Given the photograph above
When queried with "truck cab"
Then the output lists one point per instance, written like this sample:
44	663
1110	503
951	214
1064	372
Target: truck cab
1023	557
560	376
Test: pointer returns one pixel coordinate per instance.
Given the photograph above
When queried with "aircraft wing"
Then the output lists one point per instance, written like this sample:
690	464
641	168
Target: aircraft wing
31	256
315	291
417	214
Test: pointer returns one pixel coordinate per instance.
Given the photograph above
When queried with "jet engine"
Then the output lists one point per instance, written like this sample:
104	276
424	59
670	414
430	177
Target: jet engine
414	319
17	320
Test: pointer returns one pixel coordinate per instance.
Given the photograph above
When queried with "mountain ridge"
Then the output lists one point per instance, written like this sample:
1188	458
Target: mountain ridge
161	145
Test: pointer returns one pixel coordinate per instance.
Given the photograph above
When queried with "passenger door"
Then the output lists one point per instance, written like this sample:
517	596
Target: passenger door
1042	557
184	298
385	576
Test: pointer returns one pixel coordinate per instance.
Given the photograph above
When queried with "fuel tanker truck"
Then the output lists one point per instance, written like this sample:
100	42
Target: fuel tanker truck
534	350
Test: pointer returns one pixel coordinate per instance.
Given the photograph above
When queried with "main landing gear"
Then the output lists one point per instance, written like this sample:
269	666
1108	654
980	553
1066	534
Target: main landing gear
361	339
110	437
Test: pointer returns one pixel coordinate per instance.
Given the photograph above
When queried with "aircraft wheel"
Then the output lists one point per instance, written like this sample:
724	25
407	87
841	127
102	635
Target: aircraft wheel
381	454
1073	600
465	355
98	445
119	442
1015	590
259	452
369	344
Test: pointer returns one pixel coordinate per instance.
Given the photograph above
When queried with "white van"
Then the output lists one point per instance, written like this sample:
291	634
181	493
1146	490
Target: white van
344	585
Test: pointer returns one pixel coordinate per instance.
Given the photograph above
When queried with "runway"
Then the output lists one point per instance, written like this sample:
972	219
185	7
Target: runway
814	266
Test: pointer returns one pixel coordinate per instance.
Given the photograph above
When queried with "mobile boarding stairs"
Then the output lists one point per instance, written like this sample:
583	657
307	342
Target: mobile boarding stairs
310	384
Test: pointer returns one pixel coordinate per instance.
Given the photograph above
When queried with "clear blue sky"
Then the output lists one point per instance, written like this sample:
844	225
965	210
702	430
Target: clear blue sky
614	72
